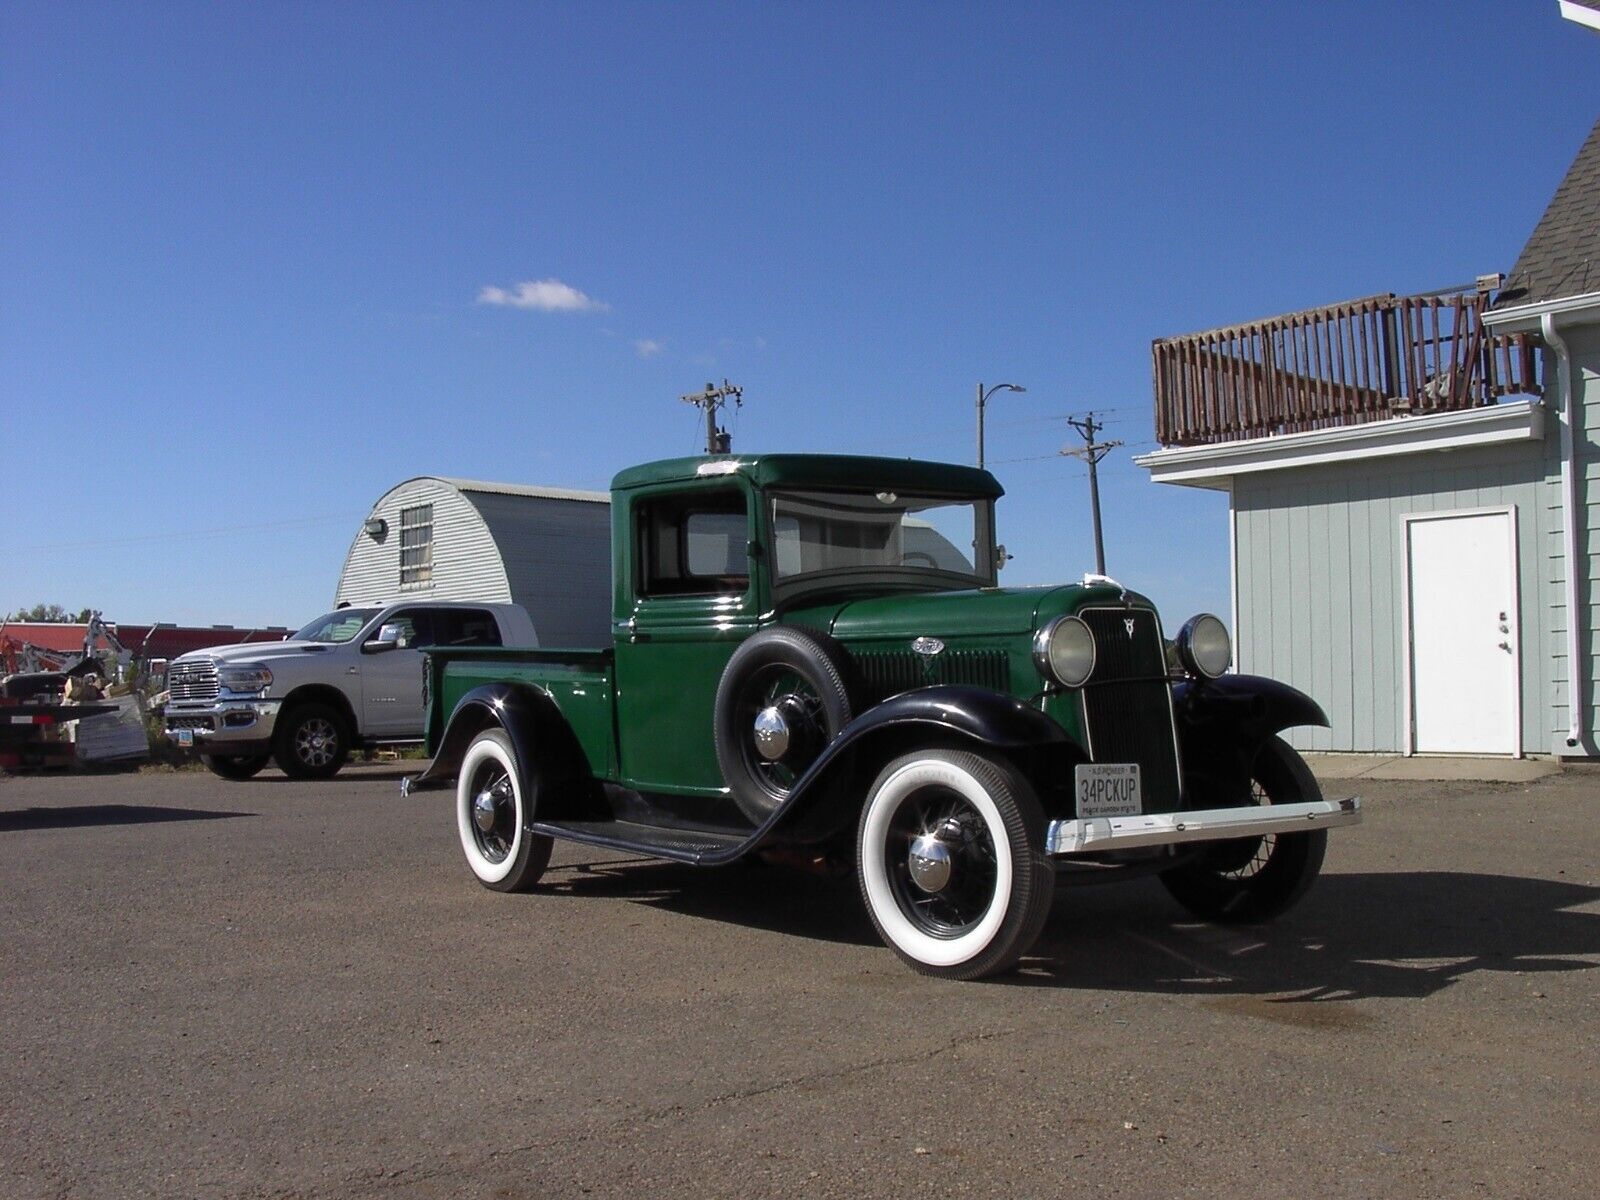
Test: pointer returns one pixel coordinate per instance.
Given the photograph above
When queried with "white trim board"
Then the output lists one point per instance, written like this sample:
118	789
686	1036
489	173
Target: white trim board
1213	466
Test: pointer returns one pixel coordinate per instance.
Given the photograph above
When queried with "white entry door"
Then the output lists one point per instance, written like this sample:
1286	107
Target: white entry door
1463	635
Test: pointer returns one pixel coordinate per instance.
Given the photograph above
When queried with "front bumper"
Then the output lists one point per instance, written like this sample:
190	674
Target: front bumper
224	726
1087	835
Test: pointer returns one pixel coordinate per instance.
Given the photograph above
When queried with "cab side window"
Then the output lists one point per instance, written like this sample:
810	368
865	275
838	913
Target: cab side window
465	627
693	545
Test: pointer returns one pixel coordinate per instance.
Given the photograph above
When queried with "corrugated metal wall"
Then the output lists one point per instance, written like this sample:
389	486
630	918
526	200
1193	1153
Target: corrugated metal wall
557	559
466	562
551	556
1319	564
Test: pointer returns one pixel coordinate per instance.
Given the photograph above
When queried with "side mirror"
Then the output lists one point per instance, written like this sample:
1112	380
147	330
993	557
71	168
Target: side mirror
391	637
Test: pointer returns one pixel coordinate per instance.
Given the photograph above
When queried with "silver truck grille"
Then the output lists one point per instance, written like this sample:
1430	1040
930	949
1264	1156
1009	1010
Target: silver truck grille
193	680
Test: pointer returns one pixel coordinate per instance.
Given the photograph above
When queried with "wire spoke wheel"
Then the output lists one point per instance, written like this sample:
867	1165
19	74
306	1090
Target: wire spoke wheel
781	700
1254	879
779	686
494	808
492	792
949	862
942	815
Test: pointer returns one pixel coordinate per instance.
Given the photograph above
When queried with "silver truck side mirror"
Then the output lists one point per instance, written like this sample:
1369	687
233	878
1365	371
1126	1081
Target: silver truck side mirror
392	636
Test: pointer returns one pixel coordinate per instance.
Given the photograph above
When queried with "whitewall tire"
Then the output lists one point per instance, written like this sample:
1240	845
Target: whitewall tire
948	857
493	811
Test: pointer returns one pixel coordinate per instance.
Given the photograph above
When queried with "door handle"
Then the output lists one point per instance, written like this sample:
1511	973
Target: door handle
352	670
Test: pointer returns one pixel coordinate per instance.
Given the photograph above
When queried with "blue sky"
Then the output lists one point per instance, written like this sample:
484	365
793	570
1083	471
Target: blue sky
246	249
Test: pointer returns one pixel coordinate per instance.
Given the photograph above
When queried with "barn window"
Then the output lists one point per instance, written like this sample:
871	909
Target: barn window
416	545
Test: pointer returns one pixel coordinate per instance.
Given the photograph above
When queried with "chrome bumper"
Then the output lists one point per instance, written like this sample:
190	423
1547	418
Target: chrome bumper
1088	834
232	722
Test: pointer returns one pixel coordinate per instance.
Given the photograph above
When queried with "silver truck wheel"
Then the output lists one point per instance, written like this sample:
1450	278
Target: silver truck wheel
492	816
948	857
312	741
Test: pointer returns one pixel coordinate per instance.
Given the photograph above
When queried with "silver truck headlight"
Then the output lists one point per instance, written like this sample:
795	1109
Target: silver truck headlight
244	677
1064	651
1204	647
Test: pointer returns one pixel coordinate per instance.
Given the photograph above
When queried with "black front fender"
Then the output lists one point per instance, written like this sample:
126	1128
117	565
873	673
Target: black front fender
547	752
832	788
1252	706
1222	723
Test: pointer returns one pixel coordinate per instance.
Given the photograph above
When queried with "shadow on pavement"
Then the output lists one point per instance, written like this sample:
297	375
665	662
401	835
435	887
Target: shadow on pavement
1357	935
84	815
1401	934
778	899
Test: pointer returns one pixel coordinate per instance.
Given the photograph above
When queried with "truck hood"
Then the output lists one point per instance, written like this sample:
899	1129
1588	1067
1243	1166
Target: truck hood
981	612
254	651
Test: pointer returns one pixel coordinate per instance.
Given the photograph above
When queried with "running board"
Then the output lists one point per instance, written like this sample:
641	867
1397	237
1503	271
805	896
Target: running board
1088	834
700	848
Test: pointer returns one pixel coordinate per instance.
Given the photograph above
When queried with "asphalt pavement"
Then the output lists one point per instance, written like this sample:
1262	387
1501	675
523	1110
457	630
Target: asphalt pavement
281	989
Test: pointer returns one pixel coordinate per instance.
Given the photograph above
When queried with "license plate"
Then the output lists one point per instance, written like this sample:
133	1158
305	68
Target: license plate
184	737
1107	789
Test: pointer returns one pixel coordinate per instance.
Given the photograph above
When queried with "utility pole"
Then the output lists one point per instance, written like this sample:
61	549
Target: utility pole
1092	452
713	398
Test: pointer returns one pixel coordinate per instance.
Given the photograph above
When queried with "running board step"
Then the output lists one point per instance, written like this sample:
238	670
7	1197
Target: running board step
700	848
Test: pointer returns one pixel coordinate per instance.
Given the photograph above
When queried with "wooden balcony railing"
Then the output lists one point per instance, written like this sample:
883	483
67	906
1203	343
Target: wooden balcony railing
1364	360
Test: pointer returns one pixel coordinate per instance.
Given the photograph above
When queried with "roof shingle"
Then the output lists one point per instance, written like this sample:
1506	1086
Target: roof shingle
1562	258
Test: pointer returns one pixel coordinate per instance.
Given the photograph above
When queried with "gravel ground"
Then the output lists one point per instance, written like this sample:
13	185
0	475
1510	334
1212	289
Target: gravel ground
283	989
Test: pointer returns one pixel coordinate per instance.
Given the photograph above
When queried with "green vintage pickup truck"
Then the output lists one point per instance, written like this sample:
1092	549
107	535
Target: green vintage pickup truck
812	660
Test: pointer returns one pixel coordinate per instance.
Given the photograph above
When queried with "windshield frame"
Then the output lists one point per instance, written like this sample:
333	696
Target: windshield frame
367	614
880	577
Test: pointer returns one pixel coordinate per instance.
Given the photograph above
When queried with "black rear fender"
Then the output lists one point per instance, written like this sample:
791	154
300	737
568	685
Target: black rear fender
1223	722
828	798
549	758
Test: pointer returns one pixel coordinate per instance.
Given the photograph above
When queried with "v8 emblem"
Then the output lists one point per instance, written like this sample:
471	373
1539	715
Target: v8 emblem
1127	623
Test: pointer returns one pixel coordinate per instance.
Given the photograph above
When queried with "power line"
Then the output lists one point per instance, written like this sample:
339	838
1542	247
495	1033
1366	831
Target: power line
181	535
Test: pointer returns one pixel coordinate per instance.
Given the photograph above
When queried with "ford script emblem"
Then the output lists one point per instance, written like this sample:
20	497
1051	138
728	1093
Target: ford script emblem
1127	623
927	646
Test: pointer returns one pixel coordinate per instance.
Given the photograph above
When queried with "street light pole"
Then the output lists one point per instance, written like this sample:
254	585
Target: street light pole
983	398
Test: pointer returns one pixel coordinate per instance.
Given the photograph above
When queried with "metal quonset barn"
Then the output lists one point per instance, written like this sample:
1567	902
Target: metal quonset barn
547	549
1414	489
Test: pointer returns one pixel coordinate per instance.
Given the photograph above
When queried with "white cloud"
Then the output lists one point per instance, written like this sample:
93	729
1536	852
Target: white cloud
544	295
648	347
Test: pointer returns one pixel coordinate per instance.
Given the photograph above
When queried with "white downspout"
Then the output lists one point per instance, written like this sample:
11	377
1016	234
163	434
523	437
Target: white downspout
1578	737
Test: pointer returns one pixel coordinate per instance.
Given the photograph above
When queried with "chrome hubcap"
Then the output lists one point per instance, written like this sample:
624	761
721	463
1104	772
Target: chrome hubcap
930	861
483	810
772	733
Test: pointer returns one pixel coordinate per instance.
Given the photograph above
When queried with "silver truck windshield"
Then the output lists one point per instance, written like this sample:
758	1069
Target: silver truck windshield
822	532
336	627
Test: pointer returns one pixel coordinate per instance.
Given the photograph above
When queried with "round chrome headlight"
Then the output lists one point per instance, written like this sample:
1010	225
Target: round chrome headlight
1064	651
1203	646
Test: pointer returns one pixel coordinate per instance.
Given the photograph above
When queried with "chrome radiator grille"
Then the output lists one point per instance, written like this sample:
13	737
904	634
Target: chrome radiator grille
1127	702
193	680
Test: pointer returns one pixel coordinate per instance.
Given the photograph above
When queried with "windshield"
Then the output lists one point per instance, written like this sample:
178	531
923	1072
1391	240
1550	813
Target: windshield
820	532
338	626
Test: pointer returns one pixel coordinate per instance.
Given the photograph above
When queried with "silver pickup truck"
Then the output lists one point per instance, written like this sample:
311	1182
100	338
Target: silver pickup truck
350	679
